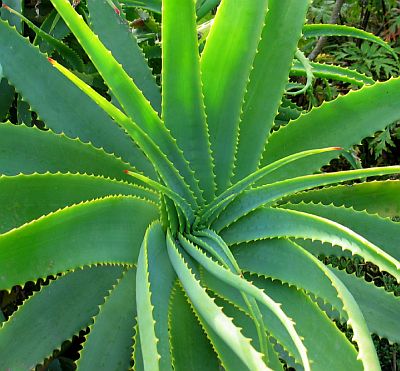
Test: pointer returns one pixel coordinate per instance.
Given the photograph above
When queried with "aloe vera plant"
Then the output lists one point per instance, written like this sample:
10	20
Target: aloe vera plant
179	228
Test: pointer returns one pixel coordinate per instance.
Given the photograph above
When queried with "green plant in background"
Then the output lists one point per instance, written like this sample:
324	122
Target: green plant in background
178	228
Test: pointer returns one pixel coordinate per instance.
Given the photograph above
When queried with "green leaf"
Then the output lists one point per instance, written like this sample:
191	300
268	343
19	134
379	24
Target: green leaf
155	279
27	197
75	236
328	71
160	161
319	333
49	93
219	203
257	259
268	80
114	32
317	30
270	223
342	122
253	198
108	345
380	308
68	54
137	352
381	232
28	150
38	328
12	19
243	321
182	106
124	89
211	313
153	5
190	348
241	284
379	197
229	52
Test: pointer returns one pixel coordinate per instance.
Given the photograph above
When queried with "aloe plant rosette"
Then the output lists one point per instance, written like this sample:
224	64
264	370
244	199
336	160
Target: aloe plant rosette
179	228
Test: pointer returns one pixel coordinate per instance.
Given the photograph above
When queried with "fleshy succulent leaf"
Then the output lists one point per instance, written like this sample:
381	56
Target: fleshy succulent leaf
74	299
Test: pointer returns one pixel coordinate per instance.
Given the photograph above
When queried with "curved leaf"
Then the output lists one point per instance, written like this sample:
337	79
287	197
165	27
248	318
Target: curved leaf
379	197
108	345
155	279
49	93
74	299
270	223
267	81
78	235
317	30
229	52
212	314
24	198
190	348
342	122
182	99
114	32
253	198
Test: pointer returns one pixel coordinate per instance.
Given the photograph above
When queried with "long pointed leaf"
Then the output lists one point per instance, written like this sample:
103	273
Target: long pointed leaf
253	198
269	223
59	311
211	313
155	280
229	52
78	235
127	93
268	80
343	122
108	346
182	106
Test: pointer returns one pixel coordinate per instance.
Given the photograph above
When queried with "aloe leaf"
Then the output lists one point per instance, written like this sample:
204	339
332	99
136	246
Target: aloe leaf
256	197
317	30
108	345
379	197
325	280
380	308
216	247
205	7
381	232
241	284
69	55
268	80
243	321
12	19
328	71
190	348
226	197
27	197
6	96
49	93
153	5
74	299
114	32
312	324
270	223
20	156
155	280
137	352
82	234
211	313
179	201
335	123
161	162
182	100
229	52
131	99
